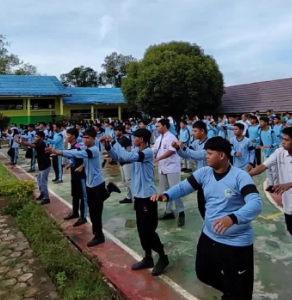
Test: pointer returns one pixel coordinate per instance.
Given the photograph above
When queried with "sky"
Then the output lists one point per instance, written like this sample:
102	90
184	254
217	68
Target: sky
250	40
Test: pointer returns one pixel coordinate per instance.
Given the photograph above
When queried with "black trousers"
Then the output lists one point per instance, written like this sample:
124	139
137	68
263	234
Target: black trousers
288	219
57	166
79	198
258	157
201	202
228	269
96	197
147	222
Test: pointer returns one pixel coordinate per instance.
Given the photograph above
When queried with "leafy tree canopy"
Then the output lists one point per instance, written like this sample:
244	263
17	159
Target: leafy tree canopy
80	77
115	68
10	64
173	78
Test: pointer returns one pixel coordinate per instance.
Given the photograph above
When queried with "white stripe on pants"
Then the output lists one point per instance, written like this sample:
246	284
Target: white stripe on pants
167	181
126	171
187	163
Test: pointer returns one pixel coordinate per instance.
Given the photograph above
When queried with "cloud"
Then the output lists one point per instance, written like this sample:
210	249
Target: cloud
249	40
106	22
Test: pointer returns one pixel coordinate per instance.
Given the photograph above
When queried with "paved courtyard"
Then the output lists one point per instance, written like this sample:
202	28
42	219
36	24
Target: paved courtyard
273	246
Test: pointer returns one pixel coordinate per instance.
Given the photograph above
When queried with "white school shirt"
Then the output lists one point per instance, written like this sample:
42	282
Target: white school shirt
171	164
283	160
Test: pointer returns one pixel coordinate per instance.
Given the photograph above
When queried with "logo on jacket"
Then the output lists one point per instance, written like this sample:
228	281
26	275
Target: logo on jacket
228	193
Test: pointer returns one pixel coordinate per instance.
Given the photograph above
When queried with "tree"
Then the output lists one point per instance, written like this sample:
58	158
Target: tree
10	64
80	77
173	78
115	68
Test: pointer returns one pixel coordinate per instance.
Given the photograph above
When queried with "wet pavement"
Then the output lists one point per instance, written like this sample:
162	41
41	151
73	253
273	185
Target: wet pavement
273	246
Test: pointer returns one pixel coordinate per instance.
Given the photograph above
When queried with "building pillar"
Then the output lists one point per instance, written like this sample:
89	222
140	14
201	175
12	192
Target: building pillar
92	113
61	107
120	112
28	110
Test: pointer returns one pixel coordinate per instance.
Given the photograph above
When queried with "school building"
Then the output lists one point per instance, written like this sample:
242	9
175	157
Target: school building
32	99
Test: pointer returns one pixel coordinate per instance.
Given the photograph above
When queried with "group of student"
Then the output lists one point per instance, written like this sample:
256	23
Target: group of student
227	197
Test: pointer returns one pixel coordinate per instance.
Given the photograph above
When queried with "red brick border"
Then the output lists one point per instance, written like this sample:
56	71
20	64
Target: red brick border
114	261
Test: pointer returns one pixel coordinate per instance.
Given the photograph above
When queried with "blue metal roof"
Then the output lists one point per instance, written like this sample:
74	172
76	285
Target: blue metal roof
14	85
94	96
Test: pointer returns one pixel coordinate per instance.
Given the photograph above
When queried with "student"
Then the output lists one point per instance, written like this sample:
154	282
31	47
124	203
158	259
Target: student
197	152
44	165
125	167
78	184
270	116
225	249
30	153
42	127
281	158
277	128
142	188
185	137
80	134
245	122
242	149
254	137
96	190
211	129
58	144
268	143
229	127
169	170
221	130
190	129
13	145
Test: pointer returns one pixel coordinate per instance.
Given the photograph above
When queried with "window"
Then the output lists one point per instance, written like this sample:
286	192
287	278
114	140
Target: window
83	113
108	113
42	104
11	104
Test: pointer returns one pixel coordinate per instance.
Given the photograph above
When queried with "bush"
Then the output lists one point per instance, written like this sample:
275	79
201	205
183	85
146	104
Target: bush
74	276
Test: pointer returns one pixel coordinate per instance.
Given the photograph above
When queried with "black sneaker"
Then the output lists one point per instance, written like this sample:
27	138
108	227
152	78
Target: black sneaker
58	181
269	189
96	241
126	201
45	201
40	197
30	171
188	171
181	219
71	216
113	188
145	263
183	169
159	268
54	180
113	163
167	216
79	222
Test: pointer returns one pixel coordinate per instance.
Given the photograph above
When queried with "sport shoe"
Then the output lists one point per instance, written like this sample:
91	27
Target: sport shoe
54	180
40	197
79	222
71	216
30	171
159	268
126	201
96	241
145	263
183	169
45	201
58	181
103	163
113	188
167	216
188	171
